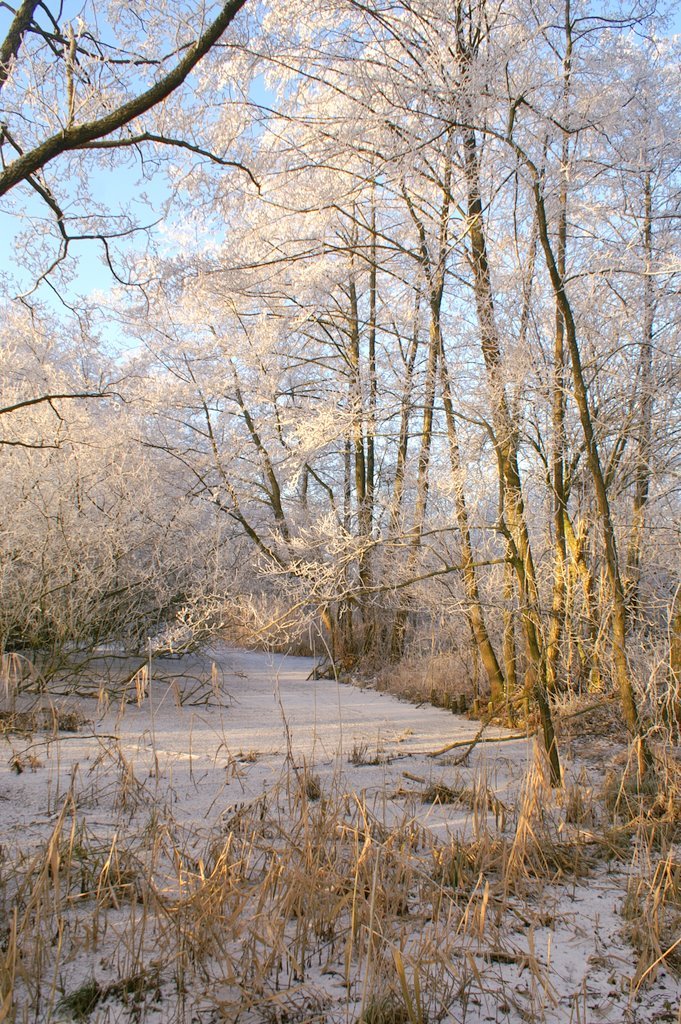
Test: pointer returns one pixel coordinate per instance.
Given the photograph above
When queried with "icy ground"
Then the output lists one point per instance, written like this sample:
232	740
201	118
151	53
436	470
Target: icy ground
217	738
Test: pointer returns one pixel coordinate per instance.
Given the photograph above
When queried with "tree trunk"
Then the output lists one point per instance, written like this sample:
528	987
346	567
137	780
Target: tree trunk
619	623
422	482
509	644
576	542
507	447
483	643
643	454
558	397
434	271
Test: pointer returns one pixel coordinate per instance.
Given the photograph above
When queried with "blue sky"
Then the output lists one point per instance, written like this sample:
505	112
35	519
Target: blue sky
120	190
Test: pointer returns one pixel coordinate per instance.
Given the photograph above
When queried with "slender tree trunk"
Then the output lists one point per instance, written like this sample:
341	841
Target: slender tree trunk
509	643
434	271
347	485
576	543
507	446
643	454
406	406
483	643
365	569
396	646
422	487
558	396
619	621
373	379
270	481
423	476
363	426
338	636
357	410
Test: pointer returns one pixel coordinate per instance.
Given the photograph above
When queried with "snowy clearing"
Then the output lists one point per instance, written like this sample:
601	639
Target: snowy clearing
231	839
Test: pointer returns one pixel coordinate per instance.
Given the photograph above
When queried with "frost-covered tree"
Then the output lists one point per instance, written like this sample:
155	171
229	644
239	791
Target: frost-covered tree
425	325
422	360
101	87
100	544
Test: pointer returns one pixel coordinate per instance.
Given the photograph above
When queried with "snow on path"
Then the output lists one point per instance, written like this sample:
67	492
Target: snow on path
216	757
274	703
200	760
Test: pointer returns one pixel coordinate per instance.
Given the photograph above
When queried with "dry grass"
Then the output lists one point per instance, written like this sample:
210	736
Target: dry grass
26	707
295	884
363	754
290	884
307	884
54	718
652	910
132	992
435	678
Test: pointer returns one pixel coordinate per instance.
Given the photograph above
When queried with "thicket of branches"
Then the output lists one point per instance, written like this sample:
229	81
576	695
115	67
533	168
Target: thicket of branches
413	365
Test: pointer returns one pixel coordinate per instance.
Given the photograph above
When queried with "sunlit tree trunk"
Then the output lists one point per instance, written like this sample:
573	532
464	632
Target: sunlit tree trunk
433	259
590	657
509	642
476	616
619	620
362	454
270	482
558	396
507	447
365	569
645	383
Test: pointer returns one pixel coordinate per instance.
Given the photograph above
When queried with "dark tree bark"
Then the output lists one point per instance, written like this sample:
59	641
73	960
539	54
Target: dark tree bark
80	136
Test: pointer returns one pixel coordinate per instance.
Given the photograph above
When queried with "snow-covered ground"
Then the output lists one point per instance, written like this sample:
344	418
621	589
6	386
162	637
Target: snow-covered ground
204	738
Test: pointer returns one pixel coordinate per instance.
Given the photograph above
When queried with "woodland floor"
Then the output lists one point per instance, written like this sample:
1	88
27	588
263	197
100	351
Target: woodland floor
232	840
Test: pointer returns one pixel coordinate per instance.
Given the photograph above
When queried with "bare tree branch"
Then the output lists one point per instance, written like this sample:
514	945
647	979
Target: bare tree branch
53	397
79	136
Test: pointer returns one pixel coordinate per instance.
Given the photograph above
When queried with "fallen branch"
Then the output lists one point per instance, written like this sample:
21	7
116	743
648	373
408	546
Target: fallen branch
478	738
